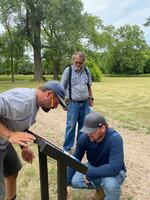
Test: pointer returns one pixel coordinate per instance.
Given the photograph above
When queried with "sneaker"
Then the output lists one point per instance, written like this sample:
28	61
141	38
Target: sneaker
71	151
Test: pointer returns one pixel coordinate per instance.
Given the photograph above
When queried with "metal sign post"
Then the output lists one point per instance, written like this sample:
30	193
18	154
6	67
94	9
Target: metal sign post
64	160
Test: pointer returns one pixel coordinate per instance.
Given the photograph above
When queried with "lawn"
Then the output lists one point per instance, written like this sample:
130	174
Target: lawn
20	81
124	101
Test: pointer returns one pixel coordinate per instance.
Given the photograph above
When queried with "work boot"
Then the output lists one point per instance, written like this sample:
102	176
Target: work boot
14	198
98	194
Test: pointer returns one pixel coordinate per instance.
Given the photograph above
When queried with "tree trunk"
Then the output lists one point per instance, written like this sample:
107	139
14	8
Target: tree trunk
56	71
11	51
33	19
12	64
37	64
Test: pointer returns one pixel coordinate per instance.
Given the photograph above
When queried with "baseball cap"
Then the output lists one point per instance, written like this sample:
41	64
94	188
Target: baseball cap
92	121
58	89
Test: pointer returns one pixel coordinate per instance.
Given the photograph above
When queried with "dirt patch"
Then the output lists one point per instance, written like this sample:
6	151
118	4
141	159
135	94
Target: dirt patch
136	145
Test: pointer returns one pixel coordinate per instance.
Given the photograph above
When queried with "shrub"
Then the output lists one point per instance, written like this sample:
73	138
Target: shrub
147	66
95	71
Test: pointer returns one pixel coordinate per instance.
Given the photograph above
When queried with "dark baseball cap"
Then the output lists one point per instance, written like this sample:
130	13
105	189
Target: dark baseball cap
92	121
58	89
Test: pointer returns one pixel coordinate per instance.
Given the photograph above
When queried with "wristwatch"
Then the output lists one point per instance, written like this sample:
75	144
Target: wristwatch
91	98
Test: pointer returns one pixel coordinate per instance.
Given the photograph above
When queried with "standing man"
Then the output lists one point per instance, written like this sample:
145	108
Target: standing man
18	110
104	150
77	81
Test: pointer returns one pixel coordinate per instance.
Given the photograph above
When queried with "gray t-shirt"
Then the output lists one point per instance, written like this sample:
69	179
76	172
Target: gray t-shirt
18	109
79	83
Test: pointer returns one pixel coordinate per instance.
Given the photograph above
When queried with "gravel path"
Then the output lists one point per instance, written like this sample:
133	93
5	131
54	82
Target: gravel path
137	152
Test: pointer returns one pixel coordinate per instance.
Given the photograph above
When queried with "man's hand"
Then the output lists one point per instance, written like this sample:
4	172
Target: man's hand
91	102
27	155
88	183
69	195
85	179
20	138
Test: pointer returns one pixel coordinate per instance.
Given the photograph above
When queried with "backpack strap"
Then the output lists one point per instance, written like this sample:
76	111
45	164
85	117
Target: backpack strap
87	73
70	75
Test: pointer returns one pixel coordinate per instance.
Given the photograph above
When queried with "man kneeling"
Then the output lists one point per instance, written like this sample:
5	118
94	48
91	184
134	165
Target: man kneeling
104	151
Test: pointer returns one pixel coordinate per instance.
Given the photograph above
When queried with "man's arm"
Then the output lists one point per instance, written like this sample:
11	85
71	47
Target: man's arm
65	77
79	153
16	137
91	99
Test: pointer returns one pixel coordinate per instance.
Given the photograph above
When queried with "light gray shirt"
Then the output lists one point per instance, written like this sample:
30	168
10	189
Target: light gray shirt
79	83
18	109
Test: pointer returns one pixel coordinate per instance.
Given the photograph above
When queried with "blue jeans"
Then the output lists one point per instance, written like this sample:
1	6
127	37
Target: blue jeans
75	114
111	185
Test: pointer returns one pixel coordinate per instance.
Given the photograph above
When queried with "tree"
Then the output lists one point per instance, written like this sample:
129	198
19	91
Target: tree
147	66
127	53
63	28
147	61
7	19
91	36
147	23
56	29
18	51
95	71
31	15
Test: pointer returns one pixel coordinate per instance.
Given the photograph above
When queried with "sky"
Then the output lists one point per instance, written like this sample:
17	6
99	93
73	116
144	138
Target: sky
119	13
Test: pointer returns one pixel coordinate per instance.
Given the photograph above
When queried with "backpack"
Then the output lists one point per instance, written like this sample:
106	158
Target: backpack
70	76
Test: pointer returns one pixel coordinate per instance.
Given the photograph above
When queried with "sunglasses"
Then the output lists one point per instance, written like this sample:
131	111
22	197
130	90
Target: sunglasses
80	63
53	99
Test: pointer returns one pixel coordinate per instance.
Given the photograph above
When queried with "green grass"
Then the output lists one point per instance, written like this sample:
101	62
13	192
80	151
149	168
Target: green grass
20	81
123	100
125	75
21	77
16	77
130	198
